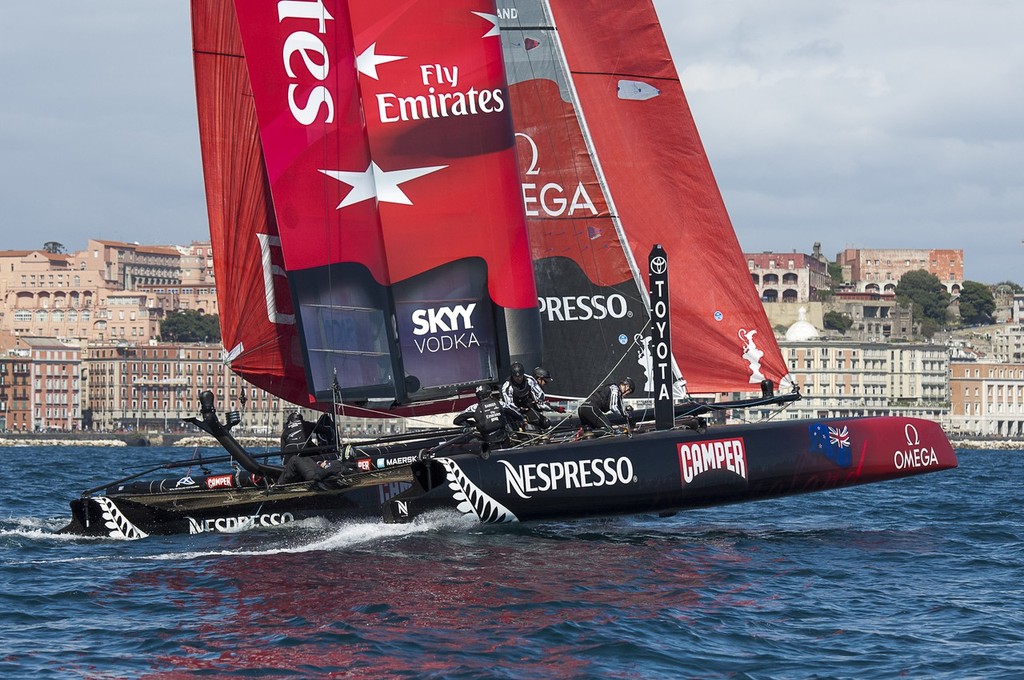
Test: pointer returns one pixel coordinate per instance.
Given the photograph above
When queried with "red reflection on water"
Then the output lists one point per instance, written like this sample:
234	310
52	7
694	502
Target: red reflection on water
427	605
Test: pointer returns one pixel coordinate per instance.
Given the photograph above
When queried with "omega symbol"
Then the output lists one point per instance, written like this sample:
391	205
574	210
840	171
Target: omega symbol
913	438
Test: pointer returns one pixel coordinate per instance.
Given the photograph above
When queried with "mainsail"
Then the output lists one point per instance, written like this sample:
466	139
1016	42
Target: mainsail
389	154
612	164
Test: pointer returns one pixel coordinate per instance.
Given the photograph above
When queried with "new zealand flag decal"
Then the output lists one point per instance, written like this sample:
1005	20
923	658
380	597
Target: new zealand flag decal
833	442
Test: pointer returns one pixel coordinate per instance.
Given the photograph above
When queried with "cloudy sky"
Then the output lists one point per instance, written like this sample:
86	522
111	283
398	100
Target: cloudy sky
854	123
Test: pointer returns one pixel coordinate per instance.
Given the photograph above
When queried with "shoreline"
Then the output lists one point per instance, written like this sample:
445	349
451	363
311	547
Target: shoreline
988	444
12	440
132	439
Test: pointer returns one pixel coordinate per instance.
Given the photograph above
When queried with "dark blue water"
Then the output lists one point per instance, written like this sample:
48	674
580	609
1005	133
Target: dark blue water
922	578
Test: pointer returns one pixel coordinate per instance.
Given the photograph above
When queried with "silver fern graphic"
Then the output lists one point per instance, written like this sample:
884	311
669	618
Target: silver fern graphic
472	499
117	524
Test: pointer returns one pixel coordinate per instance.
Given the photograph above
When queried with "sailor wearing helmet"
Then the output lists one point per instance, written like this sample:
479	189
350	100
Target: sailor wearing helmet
523	397
487	416
607	398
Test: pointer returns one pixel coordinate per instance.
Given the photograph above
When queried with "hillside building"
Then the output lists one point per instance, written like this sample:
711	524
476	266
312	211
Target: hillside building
879	270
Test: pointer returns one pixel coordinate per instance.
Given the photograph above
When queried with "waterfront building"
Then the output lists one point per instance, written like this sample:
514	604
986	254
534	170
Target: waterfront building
15	414
153	386
844	378
987	399
40	385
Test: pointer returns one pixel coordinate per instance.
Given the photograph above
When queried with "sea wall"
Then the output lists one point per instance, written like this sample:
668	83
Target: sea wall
989	444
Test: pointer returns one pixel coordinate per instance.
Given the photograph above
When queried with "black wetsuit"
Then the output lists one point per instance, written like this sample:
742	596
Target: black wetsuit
489	420
525	399
606	398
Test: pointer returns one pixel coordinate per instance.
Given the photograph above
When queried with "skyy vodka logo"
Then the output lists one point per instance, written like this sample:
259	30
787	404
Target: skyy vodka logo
440	329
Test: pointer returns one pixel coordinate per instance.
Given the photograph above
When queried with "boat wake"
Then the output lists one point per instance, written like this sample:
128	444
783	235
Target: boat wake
33	528
339	537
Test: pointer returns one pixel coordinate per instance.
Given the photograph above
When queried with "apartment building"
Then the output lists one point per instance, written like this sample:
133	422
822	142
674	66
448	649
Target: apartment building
40	386
987	399
840	378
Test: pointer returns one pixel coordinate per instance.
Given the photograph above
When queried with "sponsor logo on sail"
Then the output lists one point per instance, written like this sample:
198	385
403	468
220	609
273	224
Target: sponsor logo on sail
364	464
220	482
524	480
440	329
242	523
308	51
551	199
441	99
584	307
915	455
719	454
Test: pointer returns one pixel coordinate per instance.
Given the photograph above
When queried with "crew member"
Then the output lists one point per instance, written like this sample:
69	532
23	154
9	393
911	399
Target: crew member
295	435
607	398
523	398
487	416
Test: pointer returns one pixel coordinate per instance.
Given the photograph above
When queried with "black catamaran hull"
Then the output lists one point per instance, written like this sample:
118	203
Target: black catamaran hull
134	515
665	471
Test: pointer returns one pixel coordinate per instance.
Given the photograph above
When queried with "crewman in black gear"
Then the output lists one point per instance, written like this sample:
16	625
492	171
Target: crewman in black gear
487	416
523	398
295	435
607	398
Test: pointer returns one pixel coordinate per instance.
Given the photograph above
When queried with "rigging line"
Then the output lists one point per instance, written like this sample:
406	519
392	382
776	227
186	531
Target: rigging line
615	367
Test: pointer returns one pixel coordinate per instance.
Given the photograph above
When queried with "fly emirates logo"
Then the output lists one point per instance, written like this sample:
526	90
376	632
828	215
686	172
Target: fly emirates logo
442	98
441	329
718	454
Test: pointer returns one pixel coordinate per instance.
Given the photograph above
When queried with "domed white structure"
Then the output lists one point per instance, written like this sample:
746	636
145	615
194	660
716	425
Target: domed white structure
802	330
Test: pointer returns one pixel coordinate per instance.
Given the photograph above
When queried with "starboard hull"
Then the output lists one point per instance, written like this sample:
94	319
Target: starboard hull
666	471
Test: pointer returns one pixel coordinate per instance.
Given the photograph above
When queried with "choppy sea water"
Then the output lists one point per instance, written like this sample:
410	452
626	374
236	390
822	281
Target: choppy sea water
920	578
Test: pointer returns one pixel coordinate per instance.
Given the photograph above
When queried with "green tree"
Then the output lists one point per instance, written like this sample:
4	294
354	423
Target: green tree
930	327
1014	287
926	293
53	247
976	303
835	270
837	321
190	326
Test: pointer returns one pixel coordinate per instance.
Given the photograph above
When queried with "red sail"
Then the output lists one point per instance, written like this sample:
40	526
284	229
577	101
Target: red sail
256	317
388	151
661	189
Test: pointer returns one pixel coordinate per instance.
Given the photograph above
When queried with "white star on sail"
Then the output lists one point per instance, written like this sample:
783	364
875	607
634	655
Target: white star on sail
376	183
493	18
369	60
